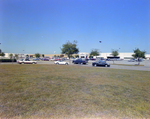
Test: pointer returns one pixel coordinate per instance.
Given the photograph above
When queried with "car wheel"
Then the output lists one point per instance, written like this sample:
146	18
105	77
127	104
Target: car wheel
33	63
57	63
81	63
66	63
106	65
95	65
22	63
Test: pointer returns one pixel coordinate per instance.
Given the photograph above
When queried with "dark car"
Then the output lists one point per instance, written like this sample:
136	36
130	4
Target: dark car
79	61
101	63
107	59
92	59
74	60
45	59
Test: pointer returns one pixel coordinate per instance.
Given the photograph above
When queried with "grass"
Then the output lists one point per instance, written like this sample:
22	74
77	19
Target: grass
51	91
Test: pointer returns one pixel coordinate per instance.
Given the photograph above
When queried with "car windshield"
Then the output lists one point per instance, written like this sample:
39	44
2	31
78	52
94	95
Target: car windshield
27	60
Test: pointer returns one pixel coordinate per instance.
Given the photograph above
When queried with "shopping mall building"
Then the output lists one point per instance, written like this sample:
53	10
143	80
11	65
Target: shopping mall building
124	56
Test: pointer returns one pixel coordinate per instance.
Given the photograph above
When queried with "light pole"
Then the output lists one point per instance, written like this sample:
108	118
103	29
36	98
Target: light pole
0	49
118	52
100	42
22	54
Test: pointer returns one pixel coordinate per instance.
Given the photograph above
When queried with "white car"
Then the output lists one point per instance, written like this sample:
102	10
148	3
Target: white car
26	61
52	59
61	62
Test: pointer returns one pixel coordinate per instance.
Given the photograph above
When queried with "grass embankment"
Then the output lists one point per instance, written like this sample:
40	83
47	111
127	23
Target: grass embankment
50	91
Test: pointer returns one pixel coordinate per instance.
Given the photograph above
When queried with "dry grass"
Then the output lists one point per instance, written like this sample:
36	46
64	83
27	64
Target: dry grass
50	91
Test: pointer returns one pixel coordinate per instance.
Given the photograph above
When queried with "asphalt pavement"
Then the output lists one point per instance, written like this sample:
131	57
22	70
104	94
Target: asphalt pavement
144	66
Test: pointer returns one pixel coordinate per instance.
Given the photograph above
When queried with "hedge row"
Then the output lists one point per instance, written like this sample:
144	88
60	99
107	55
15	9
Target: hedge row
7	60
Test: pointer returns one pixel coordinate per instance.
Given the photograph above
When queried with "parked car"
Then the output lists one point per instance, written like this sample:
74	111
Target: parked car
107	59
79	61
92	58
52	59
132	60
57	59
74	60
101	63
63	59
45	59
36	59
26	61
140	60
61	62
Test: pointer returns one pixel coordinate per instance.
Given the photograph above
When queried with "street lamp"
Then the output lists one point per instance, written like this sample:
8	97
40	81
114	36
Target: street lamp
22	54
0	49
100	42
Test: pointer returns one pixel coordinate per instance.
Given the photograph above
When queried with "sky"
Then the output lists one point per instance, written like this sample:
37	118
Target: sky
43	26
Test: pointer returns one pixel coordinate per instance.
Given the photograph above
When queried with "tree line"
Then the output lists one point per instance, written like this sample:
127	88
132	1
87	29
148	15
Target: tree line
70	48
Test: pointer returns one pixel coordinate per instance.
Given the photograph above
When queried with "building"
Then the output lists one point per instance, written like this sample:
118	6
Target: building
124	56
120	56
83	55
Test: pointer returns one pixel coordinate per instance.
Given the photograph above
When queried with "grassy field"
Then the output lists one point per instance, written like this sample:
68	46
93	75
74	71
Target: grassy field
54	91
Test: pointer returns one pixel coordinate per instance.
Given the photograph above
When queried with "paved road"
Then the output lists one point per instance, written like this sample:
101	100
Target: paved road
145	67
141	68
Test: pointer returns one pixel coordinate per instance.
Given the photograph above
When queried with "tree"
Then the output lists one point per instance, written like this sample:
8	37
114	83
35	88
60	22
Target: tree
70	48
2	54
90	56
10	55
94	53
42	55
76	56
138	54
114	54
27	55
61	55
16	56
37	55
31	55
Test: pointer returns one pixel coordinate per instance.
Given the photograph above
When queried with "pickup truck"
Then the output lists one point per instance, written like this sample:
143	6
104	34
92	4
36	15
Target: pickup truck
26	61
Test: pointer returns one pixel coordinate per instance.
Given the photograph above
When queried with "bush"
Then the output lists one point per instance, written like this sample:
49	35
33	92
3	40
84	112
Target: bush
7	60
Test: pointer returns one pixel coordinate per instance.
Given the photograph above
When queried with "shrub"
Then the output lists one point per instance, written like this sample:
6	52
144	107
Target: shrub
7	60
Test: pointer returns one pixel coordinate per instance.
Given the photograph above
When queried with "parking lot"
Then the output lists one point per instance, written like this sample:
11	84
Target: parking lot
144	66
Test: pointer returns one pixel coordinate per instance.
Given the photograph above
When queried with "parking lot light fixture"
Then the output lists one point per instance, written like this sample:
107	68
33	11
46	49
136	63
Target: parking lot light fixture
100	42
